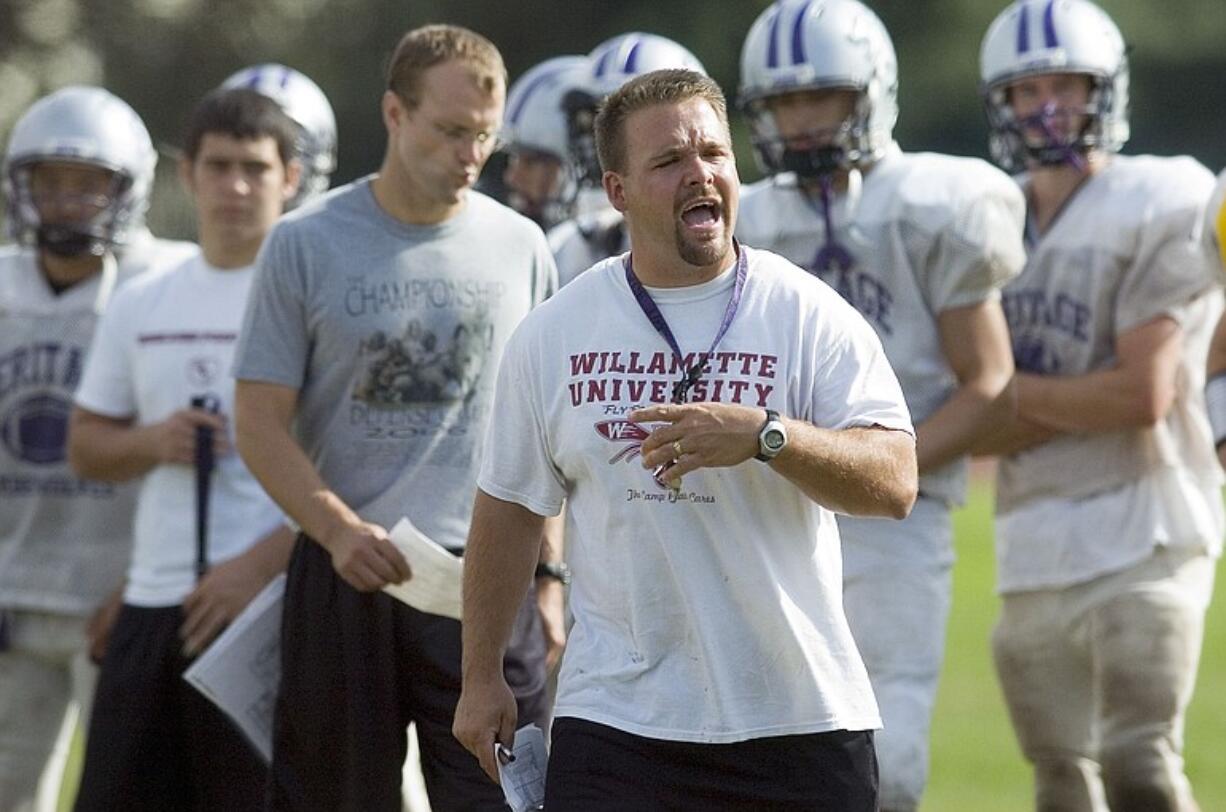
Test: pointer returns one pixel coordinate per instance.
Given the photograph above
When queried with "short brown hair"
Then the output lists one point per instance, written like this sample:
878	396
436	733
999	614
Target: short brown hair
242	114
670	86
423	48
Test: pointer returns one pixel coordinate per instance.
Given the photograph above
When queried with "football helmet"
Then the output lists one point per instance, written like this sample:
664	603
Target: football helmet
304	102
536	124
1033	37
88	126
799	45
611	64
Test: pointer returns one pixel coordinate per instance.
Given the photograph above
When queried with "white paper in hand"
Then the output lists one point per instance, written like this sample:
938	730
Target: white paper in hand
435	585
523	774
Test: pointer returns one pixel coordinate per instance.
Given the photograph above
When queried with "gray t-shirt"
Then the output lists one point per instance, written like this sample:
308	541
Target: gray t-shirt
392	334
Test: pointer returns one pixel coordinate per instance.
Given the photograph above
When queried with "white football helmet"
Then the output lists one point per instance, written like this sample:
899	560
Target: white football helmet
304	102
798	45
535	121
1033	37
86	125
613	63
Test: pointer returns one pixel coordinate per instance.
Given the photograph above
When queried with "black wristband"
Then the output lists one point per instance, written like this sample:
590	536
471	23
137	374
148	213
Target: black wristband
557	570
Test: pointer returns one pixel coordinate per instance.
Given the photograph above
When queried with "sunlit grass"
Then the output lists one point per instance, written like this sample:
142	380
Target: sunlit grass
976	765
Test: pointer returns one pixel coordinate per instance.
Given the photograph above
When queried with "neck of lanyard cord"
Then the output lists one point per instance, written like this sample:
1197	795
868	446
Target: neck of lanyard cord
652	311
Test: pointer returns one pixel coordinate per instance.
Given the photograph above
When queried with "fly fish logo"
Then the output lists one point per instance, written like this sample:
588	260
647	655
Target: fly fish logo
622	431
203	371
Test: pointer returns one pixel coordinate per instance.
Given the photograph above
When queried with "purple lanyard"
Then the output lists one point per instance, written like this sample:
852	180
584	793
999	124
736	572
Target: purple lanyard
652	311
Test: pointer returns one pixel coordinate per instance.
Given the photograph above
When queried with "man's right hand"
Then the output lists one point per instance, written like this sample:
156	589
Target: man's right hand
365	557
174	439
486	714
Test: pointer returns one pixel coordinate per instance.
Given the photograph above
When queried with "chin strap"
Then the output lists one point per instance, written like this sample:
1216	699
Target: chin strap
833	255
65	241
1059	150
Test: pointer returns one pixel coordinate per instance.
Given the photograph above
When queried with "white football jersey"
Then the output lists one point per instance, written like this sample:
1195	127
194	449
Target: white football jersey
581	242
64	541
926	233
1214	232
1125	250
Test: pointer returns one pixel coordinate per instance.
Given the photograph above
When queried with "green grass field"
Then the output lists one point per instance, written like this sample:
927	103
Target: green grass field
976	765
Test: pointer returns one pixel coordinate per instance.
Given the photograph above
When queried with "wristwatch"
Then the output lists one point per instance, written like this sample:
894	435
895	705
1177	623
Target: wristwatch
772	437
557	570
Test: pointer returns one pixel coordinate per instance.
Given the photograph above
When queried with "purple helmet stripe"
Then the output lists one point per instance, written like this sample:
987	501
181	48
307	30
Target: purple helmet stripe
798	35
522	102
632	58
772	50
1023	29
286	73
603	64
1049	25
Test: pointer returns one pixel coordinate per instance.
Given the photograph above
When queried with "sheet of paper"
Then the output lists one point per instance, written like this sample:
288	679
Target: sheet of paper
523	776
240	671
435	585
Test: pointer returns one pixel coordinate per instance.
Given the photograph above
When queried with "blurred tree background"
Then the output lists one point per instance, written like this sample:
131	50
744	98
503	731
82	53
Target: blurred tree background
162	55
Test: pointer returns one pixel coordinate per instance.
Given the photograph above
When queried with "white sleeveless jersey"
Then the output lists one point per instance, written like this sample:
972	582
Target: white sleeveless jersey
581	242
64	541
927	233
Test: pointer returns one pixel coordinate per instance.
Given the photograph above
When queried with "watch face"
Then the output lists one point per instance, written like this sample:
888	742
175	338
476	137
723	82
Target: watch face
773	439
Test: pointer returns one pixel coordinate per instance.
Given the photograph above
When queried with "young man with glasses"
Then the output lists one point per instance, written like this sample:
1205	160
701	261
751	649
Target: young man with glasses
365	378
710	649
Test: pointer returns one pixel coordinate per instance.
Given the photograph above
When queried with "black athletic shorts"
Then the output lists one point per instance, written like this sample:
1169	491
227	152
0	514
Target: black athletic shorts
154	742
596	768
357	668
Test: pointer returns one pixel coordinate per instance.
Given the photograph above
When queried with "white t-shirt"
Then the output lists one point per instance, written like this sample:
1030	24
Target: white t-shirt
927	233
165	338
1123	251
715	615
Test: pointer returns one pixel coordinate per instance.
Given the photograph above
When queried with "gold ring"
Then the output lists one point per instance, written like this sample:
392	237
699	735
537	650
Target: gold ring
677	452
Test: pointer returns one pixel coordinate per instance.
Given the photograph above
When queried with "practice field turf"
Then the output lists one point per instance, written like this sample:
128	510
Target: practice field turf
976	765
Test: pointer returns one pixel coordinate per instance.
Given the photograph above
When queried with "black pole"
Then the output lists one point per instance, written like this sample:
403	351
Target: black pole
204	479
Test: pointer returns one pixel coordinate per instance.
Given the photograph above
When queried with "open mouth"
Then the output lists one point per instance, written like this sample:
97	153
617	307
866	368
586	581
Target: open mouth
702	214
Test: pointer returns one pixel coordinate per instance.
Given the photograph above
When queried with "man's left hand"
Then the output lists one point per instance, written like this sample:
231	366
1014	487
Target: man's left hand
221	595
707	435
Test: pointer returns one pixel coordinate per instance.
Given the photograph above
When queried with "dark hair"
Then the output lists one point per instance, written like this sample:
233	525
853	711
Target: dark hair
670	86
423	48
244	114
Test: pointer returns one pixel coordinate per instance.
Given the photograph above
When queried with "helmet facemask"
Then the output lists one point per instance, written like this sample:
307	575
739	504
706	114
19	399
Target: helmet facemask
558	204
814	153
108	221
580	108
1044	137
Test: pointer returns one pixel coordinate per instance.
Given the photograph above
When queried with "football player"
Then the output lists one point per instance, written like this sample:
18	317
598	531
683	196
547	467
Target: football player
596	232
1108	504
77	175
920	244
